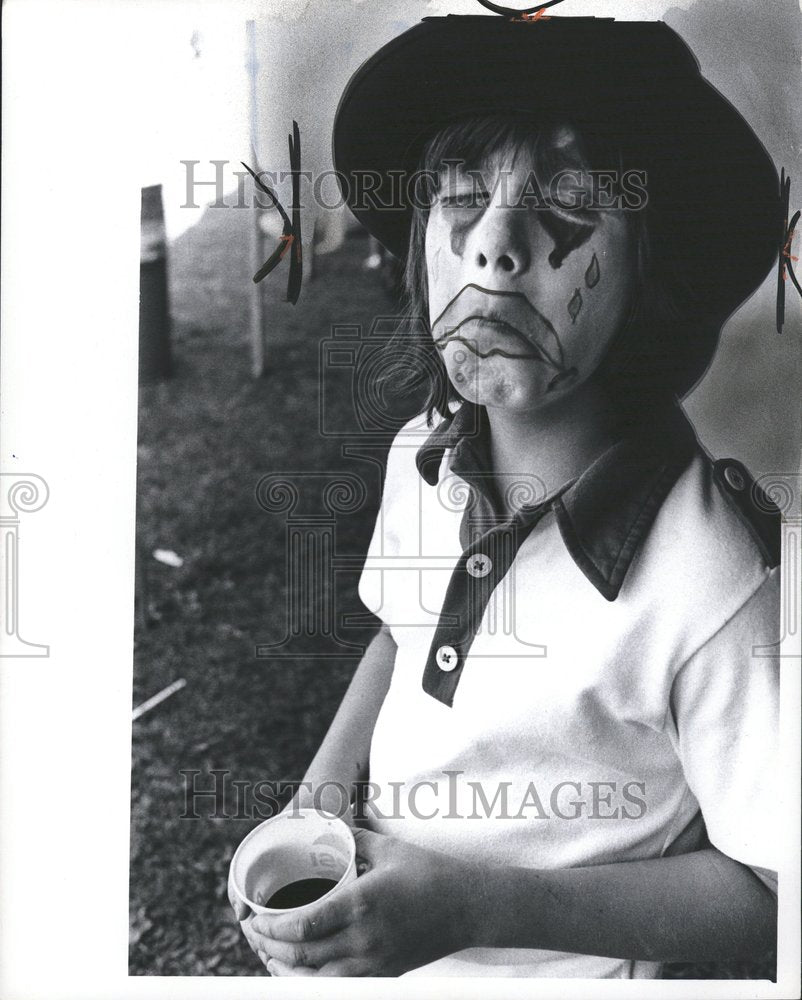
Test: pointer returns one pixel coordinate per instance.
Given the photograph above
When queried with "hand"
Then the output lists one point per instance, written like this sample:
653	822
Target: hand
241	910
323	798
411	907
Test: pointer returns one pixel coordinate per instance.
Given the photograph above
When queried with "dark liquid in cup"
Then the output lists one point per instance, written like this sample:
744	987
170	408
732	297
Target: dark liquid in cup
305	890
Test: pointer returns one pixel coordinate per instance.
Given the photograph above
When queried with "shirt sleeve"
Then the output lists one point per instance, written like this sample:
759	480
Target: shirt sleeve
725	727
385	544
371	581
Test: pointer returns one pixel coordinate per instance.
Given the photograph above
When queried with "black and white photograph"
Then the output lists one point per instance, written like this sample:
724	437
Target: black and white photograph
402	442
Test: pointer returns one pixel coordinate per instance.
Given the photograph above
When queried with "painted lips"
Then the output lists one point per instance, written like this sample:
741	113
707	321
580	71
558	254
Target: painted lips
512	315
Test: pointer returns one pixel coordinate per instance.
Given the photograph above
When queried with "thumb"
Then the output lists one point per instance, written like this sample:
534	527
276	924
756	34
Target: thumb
369	845
241	910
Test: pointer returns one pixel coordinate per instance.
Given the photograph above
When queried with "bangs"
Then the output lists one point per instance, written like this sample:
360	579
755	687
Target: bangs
473	143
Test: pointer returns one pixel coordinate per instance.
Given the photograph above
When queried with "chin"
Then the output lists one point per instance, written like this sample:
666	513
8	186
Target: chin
499	387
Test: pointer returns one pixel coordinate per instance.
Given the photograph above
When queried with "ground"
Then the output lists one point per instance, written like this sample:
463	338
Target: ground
207	436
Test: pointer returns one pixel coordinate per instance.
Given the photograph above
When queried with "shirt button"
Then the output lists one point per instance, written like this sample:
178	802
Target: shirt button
479	565
734	478
447	658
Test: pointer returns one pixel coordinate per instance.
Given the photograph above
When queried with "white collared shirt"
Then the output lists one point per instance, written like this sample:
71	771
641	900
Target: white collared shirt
583	722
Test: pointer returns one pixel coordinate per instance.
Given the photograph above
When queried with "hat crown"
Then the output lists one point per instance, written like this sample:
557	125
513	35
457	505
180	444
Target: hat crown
636	84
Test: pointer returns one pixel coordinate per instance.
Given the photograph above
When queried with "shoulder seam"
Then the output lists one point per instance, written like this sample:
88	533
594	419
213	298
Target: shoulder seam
754	534
767	577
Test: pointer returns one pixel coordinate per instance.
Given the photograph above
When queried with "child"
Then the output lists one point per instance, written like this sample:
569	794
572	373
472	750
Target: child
569	739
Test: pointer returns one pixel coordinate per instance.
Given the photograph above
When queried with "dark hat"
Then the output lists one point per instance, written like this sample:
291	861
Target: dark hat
715	217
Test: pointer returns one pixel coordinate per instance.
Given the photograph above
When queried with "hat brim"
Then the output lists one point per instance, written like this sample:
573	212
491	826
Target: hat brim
713	190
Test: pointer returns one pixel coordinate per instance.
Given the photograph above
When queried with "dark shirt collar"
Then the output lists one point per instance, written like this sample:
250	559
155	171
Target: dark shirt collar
607	511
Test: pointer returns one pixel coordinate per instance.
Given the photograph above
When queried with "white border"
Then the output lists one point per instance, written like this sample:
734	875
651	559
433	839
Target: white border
69	320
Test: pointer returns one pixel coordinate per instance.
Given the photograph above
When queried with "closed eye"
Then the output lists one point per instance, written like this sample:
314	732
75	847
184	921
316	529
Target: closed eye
569	230
465	199
581	216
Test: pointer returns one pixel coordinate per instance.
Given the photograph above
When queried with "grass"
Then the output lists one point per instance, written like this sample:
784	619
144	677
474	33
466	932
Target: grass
206	437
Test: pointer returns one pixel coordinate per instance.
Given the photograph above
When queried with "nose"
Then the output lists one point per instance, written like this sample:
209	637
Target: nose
500	244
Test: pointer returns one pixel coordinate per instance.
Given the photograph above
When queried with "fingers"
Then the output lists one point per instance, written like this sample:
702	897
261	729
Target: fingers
311	954
346	967
276	968
266	950
313	921
255	940
261	946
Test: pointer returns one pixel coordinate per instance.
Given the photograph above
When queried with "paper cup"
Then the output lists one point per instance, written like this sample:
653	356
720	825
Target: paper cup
289	849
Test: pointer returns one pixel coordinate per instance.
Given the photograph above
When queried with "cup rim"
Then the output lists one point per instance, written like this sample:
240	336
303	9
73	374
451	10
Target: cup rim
284	814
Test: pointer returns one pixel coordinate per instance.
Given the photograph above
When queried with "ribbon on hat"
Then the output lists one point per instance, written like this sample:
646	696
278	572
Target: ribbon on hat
291	231
530	14
785	267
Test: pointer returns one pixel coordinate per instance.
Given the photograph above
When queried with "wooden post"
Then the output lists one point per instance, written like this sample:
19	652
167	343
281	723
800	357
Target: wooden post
257	332
155	361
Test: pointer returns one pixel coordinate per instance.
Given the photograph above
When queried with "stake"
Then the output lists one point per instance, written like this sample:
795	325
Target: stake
157	699
257	239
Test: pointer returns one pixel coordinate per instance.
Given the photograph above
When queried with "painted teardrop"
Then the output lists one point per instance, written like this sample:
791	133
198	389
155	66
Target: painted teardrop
593	273
575	305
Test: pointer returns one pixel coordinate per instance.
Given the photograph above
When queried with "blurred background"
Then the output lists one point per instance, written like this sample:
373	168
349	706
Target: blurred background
231	393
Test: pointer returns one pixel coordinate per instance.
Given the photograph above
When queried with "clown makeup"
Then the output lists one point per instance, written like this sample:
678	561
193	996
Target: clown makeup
525	293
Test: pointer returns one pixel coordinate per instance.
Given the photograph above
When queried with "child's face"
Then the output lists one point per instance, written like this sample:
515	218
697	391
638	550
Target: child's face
523	304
